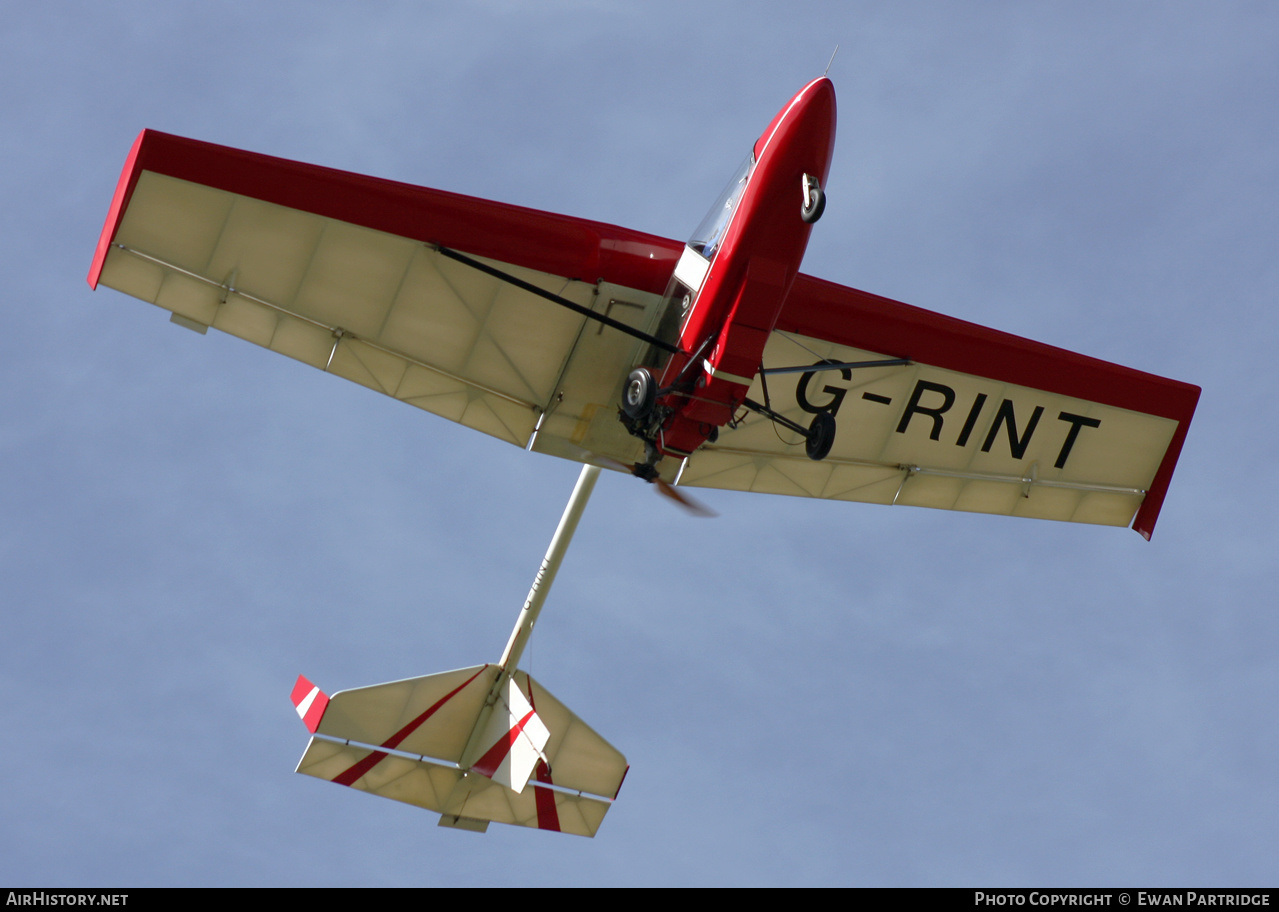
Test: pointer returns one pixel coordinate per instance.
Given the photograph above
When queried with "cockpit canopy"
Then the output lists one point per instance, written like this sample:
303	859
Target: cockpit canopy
706	239
693	265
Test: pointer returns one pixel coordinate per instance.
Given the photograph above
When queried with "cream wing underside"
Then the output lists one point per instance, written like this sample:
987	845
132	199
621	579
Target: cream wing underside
387	312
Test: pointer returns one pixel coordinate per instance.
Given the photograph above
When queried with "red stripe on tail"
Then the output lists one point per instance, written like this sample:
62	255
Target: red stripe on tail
548	816
493	757
350	775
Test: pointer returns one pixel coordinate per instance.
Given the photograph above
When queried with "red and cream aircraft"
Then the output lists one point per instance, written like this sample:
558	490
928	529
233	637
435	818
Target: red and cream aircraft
714	363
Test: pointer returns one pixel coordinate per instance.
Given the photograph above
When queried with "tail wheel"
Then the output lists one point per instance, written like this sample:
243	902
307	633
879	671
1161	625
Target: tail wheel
640	393
814	200
821	436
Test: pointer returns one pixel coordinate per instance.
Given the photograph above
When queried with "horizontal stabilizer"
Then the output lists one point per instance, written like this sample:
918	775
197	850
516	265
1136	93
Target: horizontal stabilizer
431	716
541	766
450	792
579	758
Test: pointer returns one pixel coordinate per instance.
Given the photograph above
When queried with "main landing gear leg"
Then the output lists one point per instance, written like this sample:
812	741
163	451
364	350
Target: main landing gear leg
818	436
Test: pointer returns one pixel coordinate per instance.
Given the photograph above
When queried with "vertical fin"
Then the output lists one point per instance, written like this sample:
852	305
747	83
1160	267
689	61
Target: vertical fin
517	736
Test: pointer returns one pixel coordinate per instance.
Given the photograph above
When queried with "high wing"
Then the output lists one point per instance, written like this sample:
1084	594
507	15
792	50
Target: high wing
351	275
977	420
344	273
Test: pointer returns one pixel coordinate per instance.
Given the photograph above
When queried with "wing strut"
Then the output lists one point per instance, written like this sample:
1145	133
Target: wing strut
555	299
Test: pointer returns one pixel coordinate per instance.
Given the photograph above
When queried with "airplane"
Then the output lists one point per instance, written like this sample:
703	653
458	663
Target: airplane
709	363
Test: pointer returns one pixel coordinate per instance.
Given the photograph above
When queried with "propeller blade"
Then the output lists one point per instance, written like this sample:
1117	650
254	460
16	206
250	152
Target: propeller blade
695	507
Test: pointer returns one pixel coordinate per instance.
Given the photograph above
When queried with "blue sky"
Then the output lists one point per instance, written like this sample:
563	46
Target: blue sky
808	693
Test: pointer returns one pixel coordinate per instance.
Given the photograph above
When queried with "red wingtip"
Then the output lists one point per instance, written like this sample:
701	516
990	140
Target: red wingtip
625	772
310	702
119	202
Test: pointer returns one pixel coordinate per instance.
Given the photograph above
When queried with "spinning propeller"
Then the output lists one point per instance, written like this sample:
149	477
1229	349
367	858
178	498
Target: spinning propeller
693	506
665	488
640	470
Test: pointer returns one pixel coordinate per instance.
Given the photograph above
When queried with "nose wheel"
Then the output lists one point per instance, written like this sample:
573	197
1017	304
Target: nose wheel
814	200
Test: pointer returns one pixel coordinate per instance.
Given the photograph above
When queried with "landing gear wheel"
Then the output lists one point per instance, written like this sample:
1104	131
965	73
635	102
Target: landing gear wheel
821	436
814	200
640	394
